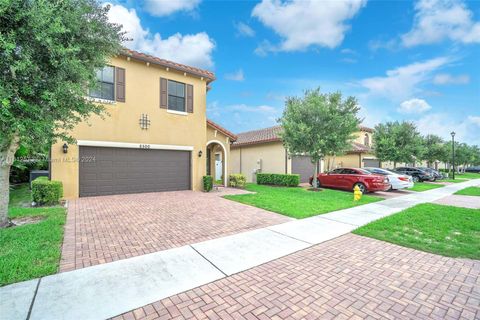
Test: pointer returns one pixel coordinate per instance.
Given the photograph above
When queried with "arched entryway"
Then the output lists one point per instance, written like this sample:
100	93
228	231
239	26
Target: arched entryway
216	162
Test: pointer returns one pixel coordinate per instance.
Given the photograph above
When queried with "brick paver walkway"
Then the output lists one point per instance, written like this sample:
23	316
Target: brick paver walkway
351	277
104	229
472	202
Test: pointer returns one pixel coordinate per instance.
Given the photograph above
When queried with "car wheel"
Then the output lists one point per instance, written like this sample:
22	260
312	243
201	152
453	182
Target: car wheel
415	179
361	186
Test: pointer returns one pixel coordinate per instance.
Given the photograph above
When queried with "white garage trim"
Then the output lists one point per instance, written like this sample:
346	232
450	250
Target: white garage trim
225	178
130	145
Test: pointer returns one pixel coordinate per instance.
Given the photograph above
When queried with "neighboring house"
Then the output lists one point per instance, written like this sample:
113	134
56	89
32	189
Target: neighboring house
156	136
359	156
263	151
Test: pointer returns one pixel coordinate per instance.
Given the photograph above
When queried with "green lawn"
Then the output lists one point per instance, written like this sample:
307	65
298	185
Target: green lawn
424	186
31	250
445	230
298	202
470	191
468	175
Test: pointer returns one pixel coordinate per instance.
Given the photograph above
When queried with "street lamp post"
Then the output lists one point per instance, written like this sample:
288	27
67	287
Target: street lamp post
453	153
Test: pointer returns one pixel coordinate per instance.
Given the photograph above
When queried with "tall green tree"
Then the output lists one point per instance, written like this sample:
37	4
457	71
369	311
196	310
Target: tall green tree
434	149
319	124
50	51
397	142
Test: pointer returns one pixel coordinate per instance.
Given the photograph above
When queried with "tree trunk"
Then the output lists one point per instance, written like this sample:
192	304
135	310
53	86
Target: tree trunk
6	160
394	164
315	176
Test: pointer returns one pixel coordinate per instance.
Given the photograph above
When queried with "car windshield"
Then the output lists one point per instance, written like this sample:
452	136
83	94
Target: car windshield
363	171
378	171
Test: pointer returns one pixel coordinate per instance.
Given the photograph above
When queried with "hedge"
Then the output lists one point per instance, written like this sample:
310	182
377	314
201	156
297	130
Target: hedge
237	180
46	192
207	183
289	180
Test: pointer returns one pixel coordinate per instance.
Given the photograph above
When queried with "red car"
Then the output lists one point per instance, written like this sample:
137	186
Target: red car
348	178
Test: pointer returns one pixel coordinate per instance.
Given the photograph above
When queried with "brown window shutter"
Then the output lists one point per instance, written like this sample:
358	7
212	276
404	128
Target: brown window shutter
189	98
120	84
163	93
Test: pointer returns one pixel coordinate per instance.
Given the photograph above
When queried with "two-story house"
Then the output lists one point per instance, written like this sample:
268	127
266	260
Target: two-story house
263	151
154	137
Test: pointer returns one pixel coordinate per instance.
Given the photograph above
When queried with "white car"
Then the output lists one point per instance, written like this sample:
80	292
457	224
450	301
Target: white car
397	181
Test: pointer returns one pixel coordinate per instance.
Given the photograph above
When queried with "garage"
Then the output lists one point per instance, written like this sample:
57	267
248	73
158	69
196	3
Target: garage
107	171
303	166
371	163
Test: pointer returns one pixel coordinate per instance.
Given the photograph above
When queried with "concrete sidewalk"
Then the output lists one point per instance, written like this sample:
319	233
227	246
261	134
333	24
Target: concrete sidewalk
107	290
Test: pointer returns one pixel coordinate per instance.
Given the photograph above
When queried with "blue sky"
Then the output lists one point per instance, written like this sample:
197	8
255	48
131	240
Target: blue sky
416	61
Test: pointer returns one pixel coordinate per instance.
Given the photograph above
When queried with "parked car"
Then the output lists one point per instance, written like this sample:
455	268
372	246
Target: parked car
348	178
436	175
418	175
397	181
473	169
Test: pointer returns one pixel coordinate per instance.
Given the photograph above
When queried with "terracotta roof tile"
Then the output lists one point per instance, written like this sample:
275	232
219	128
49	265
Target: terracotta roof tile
214	125
170	64
258	136
359	148
272	134
366	129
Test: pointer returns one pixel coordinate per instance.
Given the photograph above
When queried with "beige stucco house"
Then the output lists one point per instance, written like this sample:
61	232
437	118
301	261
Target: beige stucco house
154	137
263	151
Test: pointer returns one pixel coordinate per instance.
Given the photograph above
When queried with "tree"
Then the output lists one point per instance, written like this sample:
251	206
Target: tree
319	124
397	142
434	149
50	52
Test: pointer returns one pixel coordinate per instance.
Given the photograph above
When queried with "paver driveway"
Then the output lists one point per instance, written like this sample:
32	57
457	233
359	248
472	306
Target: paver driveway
351	277
104	229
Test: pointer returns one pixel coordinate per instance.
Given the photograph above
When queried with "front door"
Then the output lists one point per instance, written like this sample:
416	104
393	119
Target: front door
218	166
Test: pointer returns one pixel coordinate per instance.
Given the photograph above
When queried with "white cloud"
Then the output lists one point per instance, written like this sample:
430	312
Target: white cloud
161	8
244	29
442	124
191	49
414	106
445	78
439	20
401	83
235	76
303	23
474	119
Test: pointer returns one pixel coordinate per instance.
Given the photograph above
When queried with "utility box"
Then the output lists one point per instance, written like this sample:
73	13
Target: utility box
34	174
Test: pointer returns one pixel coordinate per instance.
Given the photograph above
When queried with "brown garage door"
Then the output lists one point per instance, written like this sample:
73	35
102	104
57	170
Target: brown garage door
105	171
371	163
303	166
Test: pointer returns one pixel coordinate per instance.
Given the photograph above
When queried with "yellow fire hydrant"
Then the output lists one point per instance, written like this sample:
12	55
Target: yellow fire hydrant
357	194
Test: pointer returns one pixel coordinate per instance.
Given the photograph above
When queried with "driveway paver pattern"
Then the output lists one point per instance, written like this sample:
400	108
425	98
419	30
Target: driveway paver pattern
350	277
109	228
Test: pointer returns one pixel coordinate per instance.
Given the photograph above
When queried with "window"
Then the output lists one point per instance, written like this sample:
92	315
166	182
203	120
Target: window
105	84
176	96
366	141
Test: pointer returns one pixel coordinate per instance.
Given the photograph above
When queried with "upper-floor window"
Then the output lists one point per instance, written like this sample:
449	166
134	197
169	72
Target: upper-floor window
366	140
105	88
176	96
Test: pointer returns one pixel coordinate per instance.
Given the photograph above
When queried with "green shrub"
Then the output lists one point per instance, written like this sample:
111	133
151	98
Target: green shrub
46	192
207	183
237	180
275	179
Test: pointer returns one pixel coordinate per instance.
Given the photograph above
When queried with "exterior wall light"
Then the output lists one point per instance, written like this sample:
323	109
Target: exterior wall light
65	148
200	153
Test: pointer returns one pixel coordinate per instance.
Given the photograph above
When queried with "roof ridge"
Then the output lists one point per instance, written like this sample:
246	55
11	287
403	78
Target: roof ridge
257	130
168	63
